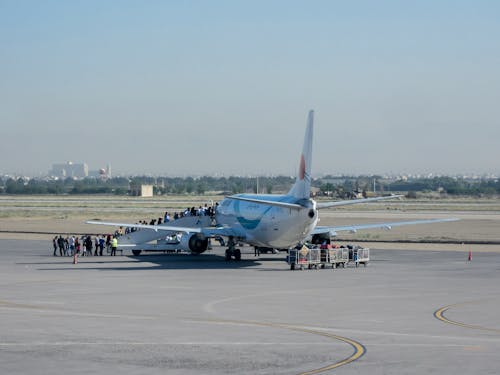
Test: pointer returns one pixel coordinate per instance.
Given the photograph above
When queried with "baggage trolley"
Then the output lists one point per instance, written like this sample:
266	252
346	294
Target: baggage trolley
304	258
339	257
361	256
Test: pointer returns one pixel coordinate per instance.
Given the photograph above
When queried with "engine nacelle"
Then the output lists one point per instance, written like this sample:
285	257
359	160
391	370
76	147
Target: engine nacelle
196	243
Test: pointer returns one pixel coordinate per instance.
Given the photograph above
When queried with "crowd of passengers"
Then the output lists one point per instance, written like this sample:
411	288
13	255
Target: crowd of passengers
193	211
82	245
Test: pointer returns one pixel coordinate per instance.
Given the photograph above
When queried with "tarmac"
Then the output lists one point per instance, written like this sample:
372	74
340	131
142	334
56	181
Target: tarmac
408	312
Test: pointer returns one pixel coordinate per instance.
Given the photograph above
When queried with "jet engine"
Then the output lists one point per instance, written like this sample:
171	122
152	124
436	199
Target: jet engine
196	242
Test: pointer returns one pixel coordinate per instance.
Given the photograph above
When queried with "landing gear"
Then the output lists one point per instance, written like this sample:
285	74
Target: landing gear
231	251
136	252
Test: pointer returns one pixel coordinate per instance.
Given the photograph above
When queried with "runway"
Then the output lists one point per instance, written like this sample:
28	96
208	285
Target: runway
408	312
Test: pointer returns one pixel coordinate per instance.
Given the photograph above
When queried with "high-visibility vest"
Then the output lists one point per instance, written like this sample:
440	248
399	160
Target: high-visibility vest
114	242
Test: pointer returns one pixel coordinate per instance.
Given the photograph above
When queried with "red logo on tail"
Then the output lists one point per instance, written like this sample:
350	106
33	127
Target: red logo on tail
302	170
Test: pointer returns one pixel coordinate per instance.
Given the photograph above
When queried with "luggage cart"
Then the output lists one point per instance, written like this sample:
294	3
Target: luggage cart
304	258
339	257
361	256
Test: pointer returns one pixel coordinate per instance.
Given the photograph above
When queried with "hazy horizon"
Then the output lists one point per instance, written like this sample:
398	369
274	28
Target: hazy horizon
221	87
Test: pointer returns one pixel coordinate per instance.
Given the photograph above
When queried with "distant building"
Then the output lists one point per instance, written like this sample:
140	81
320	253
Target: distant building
69	169
141	190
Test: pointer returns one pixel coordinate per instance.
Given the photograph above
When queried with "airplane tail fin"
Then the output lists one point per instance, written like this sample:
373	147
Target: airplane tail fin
302	187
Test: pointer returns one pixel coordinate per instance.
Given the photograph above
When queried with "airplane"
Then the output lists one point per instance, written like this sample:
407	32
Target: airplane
265	221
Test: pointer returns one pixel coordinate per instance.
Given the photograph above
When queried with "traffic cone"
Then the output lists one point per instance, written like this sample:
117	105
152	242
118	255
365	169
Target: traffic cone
470	256
75	258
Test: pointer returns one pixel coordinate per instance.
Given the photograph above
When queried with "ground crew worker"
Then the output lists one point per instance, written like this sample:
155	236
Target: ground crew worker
114	245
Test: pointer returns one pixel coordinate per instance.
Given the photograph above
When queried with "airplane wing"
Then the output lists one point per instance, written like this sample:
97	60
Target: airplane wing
320	205
156	228
207	231
354	228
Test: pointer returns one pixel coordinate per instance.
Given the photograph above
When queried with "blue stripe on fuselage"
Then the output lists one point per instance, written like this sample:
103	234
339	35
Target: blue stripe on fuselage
251	224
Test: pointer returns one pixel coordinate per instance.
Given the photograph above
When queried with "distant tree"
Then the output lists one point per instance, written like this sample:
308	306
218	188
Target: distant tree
237	187
200	188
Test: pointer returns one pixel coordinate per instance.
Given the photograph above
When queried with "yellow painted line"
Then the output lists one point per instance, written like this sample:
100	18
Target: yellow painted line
476	348
17	305
439	314
359	349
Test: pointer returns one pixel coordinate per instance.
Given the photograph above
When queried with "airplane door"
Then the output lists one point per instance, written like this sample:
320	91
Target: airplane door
274	221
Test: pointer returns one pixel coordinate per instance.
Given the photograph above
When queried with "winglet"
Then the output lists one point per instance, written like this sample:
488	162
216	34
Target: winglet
302	187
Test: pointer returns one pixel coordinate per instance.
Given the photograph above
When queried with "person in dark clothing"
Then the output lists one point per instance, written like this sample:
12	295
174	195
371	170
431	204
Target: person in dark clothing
54	243
108	242
88	245
101	245
60	243
96	245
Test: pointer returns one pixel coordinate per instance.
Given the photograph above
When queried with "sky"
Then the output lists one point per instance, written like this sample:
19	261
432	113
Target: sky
184	88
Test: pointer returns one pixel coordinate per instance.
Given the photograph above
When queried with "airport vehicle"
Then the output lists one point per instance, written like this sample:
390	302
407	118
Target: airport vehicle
173	243
267	220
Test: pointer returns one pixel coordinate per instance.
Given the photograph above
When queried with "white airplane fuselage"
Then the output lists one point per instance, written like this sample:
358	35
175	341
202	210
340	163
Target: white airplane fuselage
268	226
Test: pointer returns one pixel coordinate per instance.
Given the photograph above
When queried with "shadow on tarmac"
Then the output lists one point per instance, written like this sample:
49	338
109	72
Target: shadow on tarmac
148	262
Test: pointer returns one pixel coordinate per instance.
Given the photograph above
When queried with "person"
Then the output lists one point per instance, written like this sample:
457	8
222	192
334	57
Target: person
83	240
54	243
60	244
71	245
88	245
77	246
114	245
108	242
102	241
96	244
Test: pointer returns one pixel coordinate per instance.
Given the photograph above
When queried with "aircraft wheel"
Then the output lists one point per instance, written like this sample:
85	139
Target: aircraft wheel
292	266
136	252
237	254
228	255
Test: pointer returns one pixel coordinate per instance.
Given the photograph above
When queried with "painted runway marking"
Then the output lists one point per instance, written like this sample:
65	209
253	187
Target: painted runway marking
359	349
53	310
210	306
439	314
